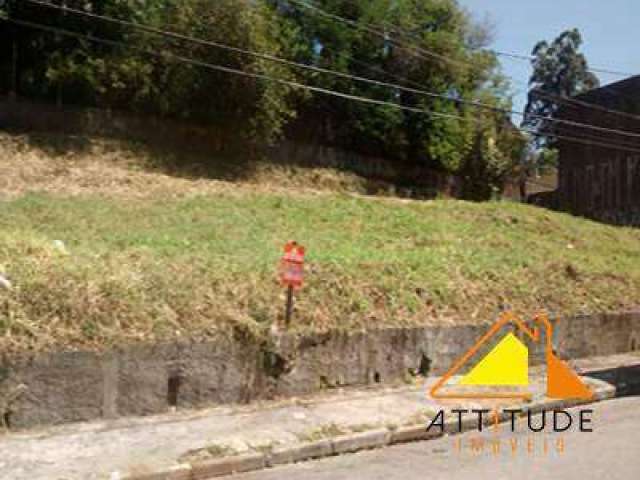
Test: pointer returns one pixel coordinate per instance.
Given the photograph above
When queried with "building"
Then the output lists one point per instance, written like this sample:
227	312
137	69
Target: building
599	169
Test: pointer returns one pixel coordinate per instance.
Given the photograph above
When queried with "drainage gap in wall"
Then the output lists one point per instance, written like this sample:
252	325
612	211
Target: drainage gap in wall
425	366
173	390
326	384
274	365
6	420
377	378
633	345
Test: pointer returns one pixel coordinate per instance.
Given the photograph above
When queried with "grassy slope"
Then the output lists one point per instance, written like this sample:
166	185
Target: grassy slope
147	268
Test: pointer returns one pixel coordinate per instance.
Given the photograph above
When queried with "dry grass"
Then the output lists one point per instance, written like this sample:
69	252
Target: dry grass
77	166
149	256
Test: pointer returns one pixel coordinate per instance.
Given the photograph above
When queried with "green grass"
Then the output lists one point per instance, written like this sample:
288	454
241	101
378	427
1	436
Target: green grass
142	270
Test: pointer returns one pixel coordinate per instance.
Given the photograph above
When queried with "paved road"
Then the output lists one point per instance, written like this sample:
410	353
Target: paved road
611	452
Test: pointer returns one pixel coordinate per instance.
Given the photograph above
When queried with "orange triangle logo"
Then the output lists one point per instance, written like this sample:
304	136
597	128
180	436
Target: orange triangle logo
562	381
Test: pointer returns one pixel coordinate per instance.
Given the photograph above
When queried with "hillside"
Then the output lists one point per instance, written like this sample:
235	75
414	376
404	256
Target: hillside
105	242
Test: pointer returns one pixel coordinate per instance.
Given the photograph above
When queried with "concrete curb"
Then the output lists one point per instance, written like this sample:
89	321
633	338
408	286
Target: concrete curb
414	433
300	453
177	472
227	466
357	442
344	444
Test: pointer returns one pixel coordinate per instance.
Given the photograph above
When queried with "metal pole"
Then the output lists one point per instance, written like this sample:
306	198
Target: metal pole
289	310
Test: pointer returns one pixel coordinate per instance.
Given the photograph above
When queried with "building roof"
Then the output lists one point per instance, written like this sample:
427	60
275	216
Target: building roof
623	95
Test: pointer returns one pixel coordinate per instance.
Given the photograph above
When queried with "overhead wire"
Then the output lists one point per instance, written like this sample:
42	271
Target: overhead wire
273	58
309	5
516	56
293	84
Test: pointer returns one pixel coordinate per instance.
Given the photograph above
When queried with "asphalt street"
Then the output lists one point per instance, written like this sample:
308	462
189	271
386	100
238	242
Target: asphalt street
611	452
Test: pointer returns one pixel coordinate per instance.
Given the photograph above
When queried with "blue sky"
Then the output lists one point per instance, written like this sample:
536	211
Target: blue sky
610	30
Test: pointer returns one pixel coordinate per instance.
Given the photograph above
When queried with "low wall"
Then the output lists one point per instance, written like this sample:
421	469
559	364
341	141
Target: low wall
62	387
427	183
22	114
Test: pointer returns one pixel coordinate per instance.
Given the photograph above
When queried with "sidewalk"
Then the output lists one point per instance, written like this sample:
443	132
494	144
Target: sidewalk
141	446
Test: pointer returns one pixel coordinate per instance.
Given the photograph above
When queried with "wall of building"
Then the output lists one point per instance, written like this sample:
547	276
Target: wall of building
599	175
605	188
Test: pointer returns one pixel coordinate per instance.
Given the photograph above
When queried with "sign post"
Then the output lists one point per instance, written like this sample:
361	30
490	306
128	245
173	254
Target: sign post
292	273
289	309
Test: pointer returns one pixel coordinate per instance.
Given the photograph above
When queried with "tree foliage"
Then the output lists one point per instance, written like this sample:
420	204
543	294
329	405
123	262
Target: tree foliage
559	70
430	45
143	75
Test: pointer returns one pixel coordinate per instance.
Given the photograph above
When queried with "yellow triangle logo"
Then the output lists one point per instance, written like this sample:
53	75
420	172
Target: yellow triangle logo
506	364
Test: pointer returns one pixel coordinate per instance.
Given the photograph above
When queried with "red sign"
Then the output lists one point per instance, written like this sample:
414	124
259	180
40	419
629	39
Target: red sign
292	265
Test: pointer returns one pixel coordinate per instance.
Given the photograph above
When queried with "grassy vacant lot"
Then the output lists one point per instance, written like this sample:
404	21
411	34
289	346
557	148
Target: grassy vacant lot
144	267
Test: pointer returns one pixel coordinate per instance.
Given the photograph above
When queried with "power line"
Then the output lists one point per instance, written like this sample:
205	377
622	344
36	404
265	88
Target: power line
475	104
225	69
574	101
308	5
264	56
297	85
545	131
529	58
236	49
416	50
254	54
515	56
357	78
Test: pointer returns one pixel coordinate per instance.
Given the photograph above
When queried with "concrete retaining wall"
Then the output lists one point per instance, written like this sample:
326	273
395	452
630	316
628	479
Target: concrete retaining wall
62	387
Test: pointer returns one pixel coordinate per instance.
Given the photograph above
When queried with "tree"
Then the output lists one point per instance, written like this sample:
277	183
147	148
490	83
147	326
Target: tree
497	146
431	45
140	71
559	71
